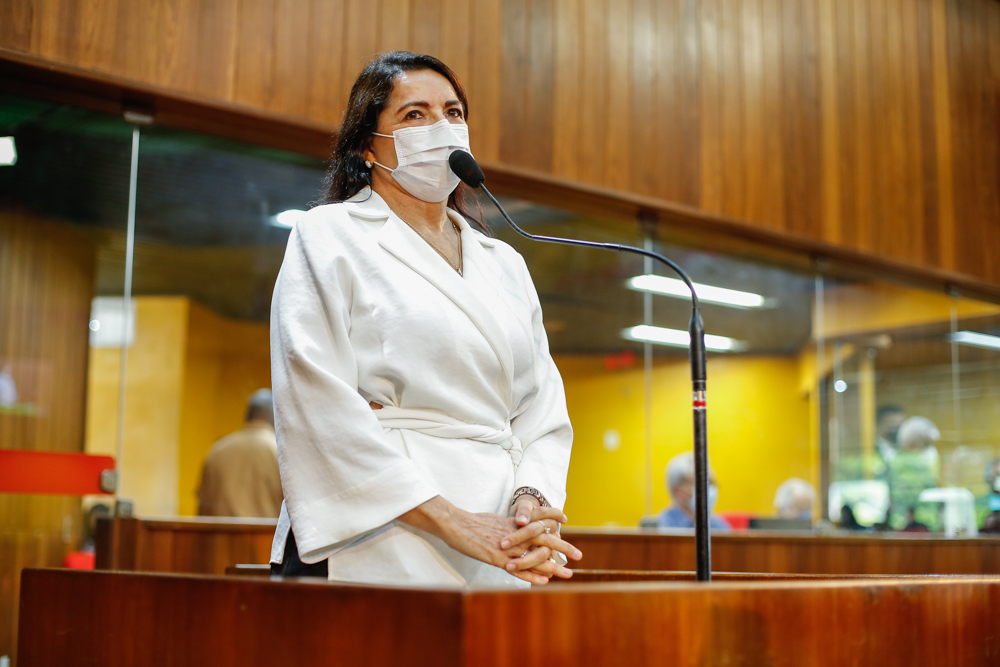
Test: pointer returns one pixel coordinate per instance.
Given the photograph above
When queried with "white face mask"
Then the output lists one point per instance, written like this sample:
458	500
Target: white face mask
713	499
422	154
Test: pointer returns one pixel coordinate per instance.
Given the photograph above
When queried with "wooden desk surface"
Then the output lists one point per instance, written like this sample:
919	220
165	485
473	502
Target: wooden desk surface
143	619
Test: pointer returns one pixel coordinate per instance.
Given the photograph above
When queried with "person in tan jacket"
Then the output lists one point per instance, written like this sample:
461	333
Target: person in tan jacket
240	476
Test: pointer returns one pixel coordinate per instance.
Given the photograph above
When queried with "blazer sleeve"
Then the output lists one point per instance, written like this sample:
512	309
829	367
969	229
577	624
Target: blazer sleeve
341	476
543	424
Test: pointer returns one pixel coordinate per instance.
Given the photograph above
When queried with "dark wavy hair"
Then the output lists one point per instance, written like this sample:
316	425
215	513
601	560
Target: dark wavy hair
348	174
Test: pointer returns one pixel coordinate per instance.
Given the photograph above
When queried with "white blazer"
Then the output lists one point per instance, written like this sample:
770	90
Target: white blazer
365	310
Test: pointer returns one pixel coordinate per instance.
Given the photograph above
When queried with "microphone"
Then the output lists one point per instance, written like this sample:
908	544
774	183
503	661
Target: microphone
469	171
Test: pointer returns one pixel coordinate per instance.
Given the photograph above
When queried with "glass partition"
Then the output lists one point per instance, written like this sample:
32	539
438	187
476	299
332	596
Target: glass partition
811	374
913	407
210	237
64	190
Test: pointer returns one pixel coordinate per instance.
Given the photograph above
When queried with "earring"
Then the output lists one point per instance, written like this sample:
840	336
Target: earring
368	163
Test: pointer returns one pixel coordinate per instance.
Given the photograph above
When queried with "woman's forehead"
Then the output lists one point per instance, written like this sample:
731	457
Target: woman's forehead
424	84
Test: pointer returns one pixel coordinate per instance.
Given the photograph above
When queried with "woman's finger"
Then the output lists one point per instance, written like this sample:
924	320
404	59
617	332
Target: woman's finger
536	578
552	569
522	540
523	509
549	513
532	558
555	543
534	535
523	535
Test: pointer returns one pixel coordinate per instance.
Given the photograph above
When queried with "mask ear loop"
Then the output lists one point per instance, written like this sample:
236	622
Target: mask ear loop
368	163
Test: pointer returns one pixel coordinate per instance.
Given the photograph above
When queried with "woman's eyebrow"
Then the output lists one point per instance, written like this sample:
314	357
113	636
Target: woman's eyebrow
426	105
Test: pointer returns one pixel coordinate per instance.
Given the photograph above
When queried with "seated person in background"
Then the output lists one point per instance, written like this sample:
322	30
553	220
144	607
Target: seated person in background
240	477
888	419
795	499
990	502
847	519
680	484
915	467
991	524
912	525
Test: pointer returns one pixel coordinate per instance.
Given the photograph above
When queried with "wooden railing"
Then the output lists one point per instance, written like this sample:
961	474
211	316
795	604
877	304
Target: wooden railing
209	546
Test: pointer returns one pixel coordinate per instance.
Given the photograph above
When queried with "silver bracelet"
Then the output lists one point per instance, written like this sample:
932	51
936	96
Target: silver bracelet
530	491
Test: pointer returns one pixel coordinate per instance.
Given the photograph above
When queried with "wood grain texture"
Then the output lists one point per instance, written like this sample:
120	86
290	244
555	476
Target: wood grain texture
199	545
228	621
46	286
209	546
868	125
135	619
789	553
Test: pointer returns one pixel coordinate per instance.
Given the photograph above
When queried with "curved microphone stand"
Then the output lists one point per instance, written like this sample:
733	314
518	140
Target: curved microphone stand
466	168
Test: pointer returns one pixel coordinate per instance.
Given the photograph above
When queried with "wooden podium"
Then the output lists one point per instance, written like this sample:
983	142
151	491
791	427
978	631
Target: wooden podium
126	618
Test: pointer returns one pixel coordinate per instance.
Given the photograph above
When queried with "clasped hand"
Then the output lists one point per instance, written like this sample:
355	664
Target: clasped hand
522	543
532	547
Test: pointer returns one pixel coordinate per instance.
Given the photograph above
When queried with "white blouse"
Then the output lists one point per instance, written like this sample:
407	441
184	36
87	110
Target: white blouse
365	310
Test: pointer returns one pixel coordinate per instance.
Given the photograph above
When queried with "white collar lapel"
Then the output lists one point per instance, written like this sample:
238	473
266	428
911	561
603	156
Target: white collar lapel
475	293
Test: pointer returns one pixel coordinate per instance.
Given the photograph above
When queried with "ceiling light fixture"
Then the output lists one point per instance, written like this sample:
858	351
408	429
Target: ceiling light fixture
707	293
976	339
287	219
8	152
677	338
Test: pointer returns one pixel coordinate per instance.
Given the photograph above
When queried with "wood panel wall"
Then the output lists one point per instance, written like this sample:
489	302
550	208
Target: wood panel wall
872	125
46	286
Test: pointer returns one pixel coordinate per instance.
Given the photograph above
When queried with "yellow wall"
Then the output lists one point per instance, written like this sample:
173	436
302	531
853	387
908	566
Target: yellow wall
758	428
227	361
189	375
149	465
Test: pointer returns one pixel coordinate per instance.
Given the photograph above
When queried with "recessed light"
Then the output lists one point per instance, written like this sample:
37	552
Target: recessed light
976	339
8	152
707	293
677	338
287	219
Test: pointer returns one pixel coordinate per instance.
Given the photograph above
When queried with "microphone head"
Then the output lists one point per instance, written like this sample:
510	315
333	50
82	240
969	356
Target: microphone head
466	168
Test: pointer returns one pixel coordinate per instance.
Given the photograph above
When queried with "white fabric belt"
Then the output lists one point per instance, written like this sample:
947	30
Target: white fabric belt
443	426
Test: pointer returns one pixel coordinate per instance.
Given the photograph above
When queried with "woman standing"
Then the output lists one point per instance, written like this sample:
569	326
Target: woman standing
422	429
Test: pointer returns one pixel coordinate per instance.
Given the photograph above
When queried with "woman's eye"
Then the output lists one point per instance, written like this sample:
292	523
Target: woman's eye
455	113
413	115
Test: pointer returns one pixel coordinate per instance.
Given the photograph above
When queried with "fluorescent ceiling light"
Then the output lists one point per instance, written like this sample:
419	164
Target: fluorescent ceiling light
286	219
706	293
8	152
976	339
678	338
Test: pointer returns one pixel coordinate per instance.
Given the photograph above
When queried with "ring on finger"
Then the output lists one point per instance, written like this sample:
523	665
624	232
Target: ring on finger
525	553
546	528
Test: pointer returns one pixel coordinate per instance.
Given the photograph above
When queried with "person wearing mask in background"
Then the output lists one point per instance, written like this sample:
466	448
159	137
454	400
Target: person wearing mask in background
915	466
794	499
240	476
680	484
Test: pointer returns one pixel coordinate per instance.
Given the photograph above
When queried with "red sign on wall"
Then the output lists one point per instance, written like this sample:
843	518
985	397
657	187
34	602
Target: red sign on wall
54	473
